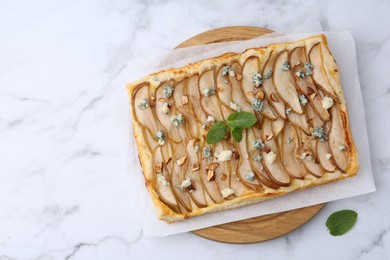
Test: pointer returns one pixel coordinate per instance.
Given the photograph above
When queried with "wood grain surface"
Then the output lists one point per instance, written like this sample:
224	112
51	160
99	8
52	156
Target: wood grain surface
259	228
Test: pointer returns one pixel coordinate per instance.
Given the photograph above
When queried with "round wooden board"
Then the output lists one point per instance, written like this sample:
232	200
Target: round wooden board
259	228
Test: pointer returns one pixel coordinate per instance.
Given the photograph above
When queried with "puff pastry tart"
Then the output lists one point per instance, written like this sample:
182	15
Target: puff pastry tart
301	138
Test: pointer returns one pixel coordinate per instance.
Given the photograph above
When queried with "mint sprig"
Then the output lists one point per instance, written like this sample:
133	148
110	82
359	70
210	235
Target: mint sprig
235	123
341	222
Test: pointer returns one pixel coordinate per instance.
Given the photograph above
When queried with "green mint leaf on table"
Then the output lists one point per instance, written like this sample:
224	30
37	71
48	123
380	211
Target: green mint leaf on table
216	133
341	222
237	134
235	122
241	120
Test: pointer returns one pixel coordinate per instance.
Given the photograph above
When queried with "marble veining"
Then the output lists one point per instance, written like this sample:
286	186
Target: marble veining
63	192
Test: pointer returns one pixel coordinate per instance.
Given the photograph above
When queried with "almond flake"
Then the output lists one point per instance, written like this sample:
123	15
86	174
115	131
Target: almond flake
238	76
184	100
195	167
269	137
223	177
235	155
181	160
274	98
260	95
159	167
310	90
168	160
210	175
312	96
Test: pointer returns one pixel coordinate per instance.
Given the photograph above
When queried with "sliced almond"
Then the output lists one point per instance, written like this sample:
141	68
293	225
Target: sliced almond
235	155
181	160
159	167
152	98
312	96
223	177
210	175
269	137
195	167
274	98
168	160
212	166
310	90
238	76
184	100
260	95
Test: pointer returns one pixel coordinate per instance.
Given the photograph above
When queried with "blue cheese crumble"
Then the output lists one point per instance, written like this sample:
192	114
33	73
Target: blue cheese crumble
257	79
286	66
268	74
250	176
177	120
257	104
257	144
168	91
207	152
257	158
160	137
208	92
309	68
303	100
319	133
143	104
235	107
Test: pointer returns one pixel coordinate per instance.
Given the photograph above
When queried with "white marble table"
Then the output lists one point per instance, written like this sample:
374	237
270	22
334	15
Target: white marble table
63	193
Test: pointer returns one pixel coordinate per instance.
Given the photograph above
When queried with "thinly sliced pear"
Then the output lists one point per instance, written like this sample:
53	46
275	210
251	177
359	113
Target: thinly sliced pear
209	104
211	187
289	148
312	117
224	88
277	126
197	194
244	167
299	120
276	102
237	95
177	176
337	139
194	97
322	151
256	164
164	190
319	74
311	163
185	108
274	169
150	140
306	85
176	134
284	84
143	115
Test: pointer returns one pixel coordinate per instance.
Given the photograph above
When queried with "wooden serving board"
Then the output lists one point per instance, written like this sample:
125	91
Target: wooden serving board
260	228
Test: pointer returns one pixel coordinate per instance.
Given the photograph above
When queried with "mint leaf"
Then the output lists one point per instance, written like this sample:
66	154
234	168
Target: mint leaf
341	222
241	120
237	134
216	133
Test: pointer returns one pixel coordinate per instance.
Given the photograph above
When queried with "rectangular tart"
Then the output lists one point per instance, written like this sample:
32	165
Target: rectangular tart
301	138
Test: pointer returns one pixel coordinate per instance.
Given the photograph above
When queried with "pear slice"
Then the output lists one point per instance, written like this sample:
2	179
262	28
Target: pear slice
256	163
250	67
244	167
210	187
237	95
319	74
306	85
322	151
194	97
176	134
224	88
284	84
143	116
312	117
337	139
209	104
164	189
197	194
269	89
289	148
299	120
274	169
185	108
277	126
310	162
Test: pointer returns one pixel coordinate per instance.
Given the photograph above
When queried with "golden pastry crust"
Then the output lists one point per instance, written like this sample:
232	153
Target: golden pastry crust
172	213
